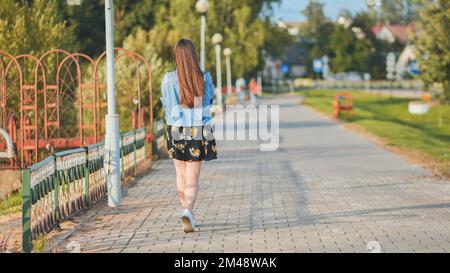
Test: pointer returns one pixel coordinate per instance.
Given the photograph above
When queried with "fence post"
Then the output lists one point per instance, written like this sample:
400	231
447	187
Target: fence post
122	161
26	211
56	185
134	153
86	179
155	141
145	144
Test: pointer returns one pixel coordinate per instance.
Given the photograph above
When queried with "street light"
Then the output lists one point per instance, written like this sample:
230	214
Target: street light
326	67
227	52
344	21
216	40
202	7
112	138
358	32
372	3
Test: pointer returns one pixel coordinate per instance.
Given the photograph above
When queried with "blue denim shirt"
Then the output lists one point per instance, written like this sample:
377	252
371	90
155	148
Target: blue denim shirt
178	115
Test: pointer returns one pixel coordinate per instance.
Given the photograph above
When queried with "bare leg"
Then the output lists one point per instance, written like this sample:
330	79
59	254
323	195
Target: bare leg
180	167
192	183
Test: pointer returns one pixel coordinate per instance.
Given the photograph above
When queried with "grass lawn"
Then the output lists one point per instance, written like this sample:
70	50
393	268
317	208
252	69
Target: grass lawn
389	119
11	204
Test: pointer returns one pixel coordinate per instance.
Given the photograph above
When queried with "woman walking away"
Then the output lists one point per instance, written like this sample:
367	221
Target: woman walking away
187	95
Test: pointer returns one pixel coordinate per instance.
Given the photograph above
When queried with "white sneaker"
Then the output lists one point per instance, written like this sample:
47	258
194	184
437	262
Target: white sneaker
188	221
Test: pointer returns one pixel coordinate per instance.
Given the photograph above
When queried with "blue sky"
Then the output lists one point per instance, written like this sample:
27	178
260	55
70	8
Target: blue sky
290	9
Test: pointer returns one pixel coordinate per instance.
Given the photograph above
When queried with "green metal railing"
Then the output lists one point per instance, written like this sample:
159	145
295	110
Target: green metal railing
71	181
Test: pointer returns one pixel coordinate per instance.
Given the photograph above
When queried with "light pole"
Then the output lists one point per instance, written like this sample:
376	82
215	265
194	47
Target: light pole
326	67
227	52
202	7
216	40
112	138
372	3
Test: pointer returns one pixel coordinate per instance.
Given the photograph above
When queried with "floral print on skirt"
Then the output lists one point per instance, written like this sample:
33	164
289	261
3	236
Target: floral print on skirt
191	143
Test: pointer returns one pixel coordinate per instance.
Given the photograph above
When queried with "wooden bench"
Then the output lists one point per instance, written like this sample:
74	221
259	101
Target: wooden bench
343	102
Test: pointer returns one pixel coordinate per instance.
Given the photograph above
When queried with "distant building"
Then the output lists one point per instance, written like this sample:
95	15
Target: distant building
293	28
406	62
293	63
295	57
402	34
392	33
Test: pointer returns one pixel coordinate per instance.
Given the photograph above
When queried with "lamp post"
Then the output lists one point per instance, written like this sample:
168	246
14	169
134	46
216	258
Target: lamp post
202	7
326	67
216	40
372	3
372	7
112	138
227	52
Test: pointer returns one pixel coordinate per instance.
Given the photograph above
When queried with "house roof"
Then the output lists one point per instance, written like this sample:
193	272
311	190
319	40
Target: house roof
401	33
377	28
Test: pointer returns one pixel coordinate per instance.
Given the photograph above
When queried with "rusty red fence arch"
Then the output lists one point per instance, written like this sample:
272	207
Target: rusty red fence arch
7	110
58	101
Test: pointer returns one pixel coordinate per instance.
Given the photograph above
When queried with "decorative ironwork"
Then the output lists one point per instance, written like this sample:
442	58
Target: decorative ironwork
58	101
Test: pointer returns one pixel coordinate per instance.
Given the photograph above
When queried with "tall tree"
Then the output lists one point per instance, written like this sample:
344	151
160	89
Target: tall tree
374	49
33	27
89	18
167	15
351	45
317	29
433	44
141	42
276	39
342	42
398	11
315	19
238	21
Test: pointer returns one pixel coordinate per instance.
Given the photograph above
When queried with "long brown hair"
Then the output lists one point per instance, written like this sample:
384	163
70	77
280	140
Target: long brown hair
190	75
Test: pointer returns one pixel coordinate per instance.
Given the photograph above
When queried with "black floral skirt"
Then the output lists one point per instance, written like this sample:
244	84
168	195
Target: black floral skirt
191	143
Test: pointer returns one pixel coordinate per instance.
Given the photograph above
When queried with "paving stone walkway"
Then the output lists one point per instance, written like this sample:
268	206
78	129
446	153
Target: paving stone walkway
324	190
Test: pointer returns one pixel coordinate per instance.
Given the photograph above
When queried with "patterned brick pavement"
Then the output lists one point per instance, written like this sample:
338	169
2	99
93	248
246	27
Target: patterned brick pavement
324	190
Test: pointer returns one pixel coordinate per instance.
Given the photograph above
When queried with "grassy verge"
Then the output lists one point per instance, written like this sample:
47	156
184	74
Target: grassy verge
388	118
11	204
40	243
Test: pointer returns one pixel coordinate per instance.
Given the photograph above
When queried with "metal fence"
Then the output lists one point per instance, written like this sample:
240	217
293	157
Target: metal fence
58	99
132	151
399	85
71	181
290	85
